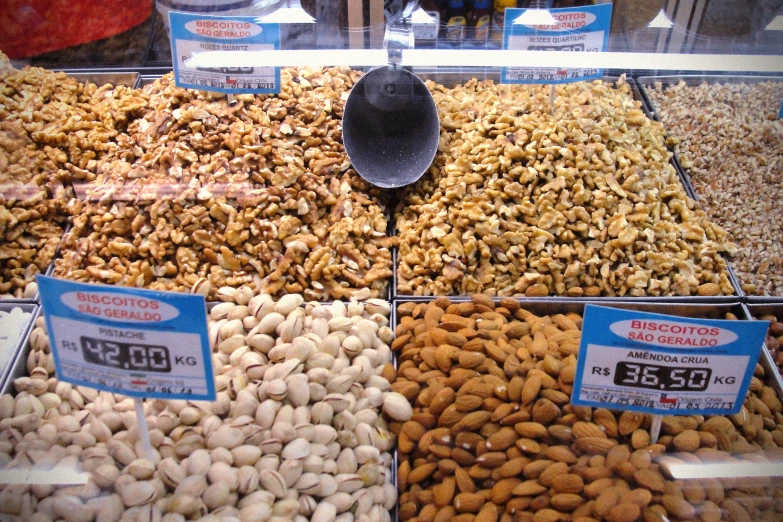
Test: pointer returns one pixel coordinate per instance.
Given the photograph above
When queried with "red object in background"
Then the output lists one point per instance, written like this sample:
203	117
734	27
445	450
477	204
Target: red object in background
32	27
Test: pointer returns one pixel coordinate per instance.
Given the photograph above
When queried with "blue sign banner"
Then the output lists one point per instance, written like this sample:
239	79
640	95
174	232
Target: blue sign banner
139	343
223	37
663	364
583	29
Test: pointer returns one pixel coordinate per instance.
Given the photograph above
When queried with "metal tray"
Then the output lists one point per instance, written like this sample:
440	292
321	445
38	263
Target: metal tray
756	309
11	365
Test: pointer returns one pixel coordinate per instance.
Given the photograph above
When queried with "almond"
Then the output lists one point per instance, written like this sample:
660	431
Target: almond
606	501
709	289
468	403
529	488
472	421
421	473
537	290
568	483
442	400
566	501
547	476
641	497
545	411
530	430
595	488
687	441
471	359
468	502
443	355
624	513
443	493
408	389
503	489
616	455
606	420
587	429
560	454
413	430
489	513
502	439
530	389
678	506
513	467
649	479
439	336
594	445
492	459
464	481
629	422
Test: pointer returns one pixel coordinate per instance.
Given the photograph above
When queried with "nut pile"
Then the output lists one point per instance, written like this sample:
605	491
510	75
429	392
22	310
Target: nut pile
493	435
774	339
732	147
325	241
255	191
296	432
51	129
581	202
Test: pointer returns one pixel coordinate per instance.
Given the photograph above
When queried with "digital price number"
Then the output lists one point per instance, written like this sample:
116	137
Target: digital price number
129	356
664	378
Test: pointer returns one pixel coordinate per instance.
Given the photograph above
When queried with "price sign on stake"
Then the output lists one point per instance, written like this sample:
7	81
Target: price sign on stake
663	364
222	40
567	29
139	343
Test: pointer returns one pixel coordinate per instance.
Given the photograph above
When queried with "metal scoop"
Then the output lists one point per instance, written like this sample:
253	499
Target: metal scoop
390	127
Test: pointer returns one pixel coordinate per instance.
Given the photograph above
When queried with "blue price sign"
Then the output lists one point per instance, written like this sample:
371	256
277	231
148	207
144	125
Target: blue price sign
139	343
583	29
663	364
225	45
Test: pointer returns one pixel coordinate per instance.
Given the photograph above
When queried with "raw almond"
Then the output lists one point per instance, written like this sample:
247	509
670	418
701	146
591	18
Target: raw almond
421	473
649	479
531	430
472	421
502	439
529	488
468	502
503	489
464	481
678	506
566	501
594	445
413	430
568	483
629	422
530	389
442	400
560	454
587	429
443	493
624	513
468	403
687	441
471	359
641	497
606	420
606	501
439	336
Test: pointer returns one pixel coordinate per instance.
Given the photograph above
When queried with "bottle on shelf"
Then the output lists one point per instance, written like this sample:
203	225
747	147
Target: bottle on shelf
480	21
456	21
498	16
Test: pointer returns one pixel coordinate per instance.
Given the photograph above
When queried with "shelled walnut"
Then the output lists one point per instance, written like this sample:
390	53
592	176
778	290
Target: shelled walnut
265	140
580	202
297	431
325	240
494	436
51	129
730	140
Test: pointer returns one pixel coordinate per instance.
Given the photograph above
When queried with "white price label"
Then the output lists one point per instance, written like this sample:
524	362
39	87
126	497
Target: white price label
663	364
135	342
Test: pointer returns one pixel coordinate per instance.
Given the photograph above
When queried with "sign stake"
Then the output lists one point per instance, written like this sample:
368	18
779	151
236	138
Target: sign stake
655	429
144	430
552	95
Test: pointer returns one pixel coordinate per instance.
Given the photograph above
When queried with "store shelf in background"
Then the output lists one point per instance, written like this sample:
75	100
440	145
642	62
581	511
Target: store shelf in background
10	367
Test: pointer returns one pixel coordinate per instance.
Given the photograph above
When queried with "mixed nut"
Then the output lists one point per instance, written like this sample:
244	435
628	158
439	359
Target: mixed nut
581	201
730	140
774	339
493	435
298	430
